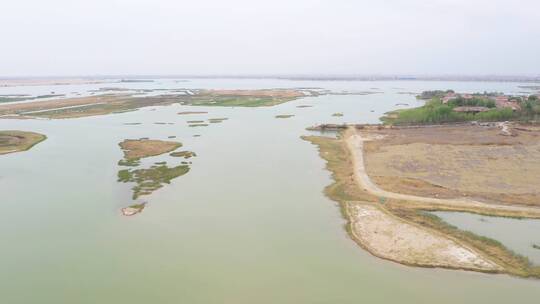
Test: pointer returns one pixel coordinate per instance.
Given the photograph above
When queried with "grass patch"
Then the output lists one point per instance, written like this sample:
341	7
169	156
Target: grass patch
184	154
16	141
135	149
284	116
337	157
138	207
151	179
217	120
129	162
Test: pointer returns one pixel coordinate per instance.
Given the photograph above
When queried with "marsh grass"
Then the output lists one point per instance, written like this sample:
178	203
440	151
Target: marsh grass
285	116
17	141
184	154
148	180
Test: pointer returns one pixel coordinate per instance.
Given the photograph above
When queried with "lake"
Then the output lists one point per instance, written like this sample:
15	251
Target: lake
248	224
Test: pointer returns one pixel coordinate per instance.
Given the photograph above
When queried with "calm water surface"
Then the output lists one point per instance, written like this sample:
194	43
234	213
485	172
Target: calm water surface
247	224
519	235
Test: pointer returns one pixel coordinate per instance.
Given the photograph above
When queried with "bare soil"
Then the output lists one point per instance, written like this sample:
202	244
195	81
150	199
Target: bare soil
458	161
391	238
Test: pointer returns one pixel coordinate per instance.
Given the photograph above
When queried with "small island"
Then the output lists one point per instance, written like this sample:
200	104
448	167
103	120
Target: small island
284	116
147	180
135	149
16	141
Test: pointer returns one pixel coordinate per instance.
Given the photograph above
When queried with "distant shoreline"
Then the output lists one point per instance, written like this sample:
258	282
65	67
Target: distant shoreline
25	80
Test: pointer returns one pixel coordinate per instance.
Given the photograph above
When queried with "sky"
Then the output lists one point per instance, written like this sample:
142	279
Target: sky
287	37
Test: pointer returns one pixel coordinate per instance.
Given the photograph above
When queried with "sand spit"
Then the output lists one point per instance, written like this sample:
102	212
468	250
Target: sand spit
390	238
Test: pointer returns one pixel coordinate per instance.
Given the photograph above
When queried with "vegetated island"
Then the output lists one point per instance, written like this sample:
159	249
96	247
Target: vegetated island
12	141
217	120
135	149
147	180
284	116
388	178
123	102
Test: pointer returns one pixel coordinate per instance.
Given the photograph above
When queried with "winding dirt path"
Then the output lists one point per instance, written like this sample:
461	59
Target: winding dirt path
355	143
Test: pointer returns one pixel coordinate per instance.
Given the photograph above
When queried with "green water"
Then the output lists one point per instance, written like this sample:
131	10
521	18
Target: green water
247	224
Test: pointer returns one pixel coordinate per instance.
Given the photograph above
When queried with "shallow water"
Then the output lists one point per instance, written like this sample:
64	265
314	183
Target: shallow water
248	224
518	235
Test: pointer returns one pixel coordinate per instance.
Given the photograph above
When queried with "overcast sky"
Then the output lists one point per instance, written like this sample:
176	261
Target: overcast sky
92	37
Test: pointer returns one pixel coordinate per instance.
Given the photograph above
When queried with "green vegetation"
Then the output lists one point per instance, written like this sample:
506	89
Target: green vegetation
151	179
285	116
472	102
435	111
21	97
235	101
195	121
138	207
17	141
135	149
184	154
129	162
121	103
486	109
433	94
199	125
337	114
217	120
535	246
344	189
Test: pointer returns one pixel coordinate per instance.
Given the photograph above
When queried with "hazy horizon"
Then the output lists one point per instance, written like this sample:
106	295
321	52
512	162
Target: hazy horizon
242	38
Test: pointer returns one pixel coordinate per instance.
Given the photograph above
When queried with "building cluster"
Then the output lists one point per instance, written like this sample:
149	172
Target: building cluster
501	101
